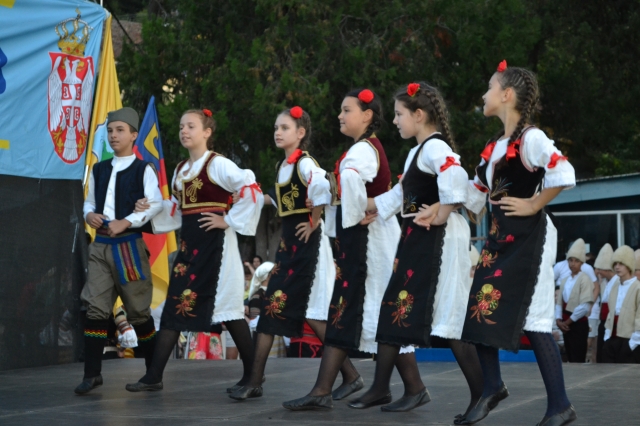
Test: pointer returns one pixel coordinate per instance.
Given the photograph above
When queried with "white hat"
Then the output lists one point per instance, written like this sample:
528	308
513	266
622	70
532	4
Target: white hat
578	250
637	259
474	255
603	261
261	274
624	255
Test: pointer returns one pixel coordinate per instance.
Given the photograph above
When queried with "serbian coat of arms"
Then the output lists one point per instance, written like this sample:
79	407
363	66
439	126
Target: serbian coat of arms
70	94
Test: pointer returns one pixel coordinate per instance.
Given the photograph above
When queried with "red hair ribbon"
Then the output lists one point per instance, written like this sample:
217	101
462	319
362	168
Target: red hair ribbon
296	112
295	156
412	89
555	157
502	66
512	150
207	112
480	188
451	161
487	151
253	187
366	96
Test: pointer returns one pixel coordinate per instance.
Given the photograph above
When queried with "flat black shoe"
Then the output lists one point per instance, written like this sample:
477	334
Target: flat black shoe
246	392
408	403
309	403
560	419
141	387
234	388
356	403
88	384
347	389
482	408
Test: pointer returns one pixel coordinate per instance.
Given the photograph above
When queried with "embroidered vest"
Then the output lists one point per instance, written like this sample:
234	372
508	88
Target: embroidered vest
292	195
382	182
510	176
201	193
129	188
419	187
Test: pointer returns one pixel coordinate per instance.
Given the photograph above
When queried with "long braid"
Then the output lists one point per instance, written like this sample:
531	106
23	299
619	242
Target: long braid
525	85
442	118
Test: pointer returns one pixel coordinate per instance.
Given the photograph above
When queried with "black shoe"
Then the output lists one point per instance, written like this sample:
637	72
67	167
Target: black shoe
560	419
88	384
234	388
140	387
347	389
482	408
356	403
246	392
309	403
408	403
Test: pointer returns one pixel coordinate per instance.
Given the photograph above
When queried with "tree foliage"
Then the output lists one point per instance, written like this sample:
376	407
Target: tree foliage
248	59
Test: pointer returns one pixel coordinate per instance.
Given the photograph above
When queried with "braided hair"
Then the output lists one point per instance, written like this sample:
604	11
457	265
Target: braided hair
376	108
429	99
305	122
525	85
207	123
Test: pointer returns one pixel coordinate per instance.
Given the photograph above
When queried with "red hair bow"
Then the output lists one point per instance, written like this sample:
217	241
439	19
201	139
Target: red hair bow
502	65
207	112
296	112
412	89
366	96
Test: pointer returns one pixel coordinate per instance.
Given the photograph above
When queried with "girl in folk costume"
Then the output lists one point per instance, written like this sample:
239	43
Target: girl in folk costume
513	287
363	250
622	328
604	270
300	283
427	293
206	284
573	304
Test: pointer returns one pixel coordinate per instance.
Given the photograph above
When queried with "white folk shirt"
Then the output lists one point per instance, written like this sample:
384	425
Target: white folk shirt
634	341
580	310
151	193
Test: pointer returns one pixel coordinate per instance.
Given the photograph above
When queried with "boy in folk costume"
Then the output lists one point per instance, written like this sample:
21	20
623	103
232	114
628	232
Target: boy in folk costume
118	259
573	304
604	271
622	328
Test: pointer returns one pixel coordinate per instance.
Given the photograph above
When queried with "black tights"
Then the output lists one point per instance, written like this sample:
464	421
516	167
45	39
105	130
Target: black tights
467	357
338	362
389	356
549	362
167	339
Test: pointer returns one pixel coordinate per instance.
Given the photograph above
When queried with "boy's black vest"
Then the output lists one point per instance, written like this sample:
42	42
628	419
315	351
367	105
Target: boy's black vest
129	189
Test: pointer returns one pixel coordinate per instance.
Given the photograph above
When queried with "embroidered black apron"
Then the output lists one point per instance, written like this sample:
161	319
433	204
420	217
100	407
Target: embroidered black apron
507	271
194	278
284	305
344	326
407	306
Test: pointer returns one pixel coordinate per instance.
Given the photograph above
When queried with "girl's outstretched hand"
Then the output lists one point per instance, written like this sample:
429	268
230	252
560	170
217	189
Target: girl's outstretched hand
426	215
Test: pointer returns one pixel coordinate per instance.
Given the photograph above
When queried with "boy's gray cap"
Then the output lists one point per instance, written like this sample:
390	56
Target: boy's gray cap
127	115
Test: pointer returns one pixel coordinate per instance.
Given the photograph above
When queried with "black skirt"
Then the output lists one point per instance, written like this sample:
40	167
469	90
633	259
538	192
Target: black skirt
406	314
194	278
284	305
505	278
344	326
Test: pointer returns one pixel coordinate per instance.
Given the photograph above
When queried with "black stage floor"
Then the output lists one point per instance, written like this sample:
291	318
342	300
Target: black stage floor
194	394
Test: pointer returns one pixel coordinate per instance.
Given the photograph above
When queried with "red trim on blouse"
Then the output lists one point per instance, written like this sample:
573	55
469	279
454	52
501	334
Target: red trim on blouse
451	161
